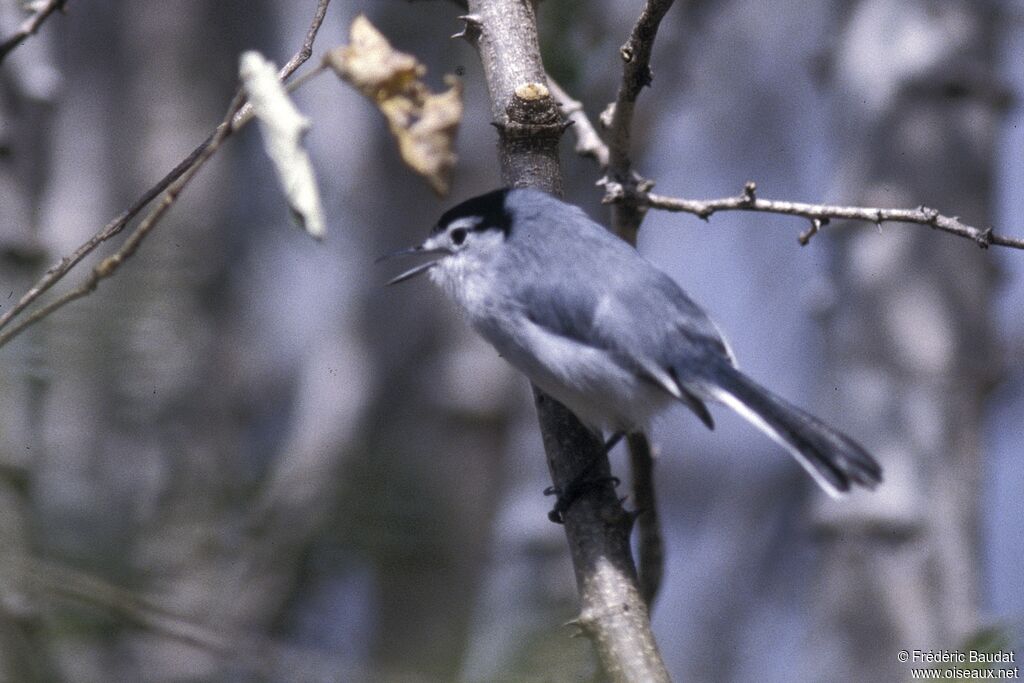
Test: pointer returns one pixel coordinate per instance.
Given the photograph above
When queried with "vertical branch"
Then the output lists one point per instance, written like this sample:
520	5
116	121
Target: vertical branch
613	613
528	122
651	547
621	181
627	187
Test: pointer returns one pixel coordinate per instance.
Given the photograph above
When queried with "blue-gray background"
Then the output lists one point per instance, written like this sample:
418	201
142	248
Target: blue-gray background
276	469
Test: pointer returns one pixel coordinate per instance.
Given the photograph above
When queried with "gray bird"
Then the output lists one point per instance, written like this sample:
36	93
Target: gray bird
603	331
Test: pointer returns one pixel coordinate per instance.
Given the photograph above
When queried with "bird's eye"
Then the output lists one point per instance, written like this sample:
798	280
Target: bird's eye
458	236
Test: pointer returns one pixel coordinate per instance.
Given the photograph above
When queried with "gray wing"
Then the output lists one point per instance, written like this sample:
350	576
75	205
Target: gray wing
635	312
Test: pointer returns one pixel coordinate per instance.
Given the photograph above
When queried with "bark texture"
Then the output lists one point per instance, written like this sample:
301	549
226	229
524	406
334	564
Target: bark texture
613	613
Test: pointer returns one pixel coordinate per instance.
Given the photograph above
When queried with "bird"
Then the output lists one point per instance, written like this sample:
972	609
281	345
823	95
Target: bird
602	330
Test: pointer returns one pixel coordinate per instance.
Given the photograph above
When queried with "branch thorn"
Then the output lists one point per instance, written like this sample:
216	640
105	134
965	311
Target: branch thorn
473	25
984	238
806	236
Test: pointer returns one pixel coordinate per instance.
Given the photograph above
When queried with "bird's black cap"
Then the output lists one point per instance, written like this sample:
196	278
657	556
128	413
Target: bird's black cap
490	207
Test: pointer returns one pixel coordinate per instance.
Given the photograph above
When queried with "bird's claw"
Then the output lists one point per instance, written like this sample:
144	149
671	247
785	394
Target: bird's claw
576	488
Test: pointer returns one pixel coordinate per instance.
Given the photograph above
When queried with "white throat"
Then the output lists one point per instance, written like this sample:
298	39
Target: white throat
467	276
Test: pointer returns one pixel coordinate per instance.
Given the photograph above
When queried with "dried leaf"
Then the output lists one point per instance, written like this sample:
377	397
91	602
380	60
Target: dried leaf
423	123
283	130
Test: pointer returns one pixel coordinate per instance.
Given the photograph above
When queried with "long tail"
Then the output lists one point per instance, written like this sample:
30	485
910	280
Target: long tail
834	460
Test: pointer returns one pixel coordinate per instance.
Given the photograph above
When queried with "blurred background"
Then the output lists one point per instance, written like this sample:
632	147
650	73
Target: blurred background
244	459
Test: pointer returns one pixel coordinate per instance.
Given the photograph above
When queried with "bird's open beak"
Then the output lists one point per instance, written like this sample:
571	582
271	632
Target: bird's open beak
422	268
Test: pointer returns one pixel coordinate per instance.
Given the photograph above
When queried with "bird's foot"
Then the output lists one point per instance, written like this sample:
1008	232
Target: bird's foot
580	484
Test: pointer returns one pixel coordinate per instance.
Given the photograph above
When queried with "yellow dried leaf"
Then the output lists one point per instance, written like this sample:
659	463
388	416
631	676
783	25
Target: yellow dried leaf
423	123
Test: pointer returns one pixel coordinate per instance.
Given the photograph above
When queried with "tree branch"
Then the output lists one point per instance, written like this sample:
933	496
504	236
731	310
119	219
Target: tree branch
108	266
651	547
525	115
31	25
612	611
820	214
306	51
240	115
636	73
588	141
589	144
626	216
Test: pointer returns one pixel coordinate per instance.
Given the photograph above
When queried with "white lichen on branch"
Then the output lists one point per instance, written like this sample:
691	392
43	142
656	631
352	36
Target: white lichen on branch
284	128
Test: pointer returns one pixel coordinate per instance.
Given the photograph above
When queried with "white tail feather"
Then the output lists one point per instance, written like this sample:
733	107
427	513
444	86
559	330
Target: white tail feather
753	418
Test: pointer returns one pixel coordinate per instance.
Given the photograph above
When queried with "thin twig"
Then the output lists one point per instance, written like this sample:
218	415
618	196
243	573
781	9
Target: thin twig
626	216
306	51
55	273
31	25
821	214
650	546
636	73
114	227
589	144
588	141
297	60
110	265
